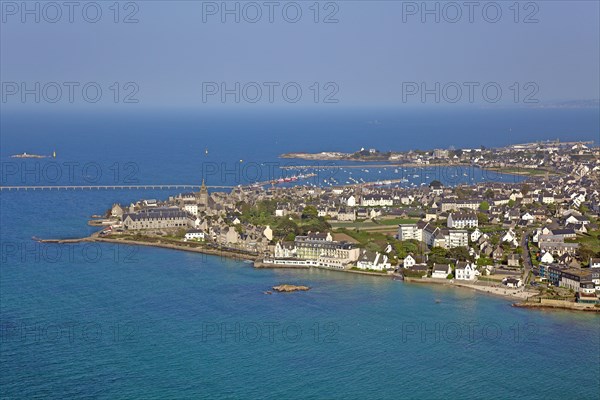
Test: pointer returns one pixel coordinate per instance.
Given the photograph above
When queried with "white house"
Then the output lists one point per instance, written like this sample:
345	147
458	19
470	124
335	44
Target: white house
374	261
512	282
351	201
268	232
408	261
594	262
509	236
475	235
527	217
465	271
547	258
441	271
194	234
374	213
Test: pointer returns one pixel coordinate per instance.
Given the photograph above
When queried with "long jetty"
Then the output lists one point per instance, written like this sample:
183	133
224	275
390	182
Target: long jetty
109	187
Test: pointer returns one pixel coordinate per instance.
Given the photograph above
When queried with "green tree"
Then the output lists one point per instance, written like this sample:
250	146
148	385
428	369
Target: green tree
460	253
484	261
310	212
286	227
482	218
484	206
438	255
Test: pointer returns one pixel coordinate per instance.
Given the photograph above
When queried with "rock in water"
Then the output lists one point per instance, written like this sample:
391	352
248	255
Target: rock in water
290	288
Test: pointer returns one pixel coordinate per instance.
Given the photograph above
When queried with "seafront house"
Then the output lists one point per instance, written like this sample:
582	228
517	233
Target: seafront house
373	260
512	282
117	211
441	271
465	271
408	261
194	234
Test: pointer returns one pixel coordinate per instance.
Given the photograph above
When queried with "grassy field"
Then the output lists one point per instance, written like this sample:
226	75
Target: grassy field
386	224
521	171
591	241
364	237
396	221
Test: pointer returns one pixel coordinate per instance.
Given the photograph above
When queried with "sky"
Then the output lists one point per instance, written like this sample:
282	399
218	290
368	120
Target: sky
304	53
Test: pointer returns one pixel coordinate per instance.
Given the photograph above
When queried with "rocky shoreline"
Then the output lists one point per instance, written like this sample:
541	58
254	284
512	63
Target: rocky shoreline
203	250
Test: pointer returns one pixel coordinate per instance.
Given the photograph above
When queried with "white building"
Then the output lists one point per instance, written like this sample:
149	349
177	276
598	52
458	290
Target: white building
547	258
475	235
410	231
194	234
191	208
441	271
465	271
457	238
408	261
374	261
351	201
268	232
463	220
377	201
527	217
512	282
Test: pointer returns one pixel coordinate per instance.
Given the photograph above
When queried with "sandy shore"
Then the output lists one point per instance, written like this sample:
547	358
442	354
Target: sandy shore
511	293
516	293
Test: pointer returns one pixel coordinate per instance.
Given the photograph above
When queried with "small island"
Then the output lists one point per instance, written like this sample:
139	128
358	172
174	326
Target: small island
290	288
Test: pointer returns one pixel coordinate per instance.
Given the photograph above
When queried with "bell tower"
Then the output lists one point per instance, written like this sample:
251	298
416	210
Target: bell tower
202	197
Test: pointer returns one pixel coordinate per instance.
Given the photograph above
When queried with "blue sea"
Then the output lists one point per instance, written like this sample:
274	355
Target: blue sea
107	321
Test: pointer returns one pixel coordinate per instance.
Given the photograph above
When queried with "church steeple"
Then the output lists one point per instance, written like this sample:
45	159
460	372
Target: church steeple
203	196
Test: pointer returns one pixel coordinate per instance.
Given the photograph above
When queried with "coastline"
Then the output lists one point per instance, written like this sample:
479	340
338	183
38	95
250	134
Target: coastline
203	250
521	295
560	307
491	290
391	164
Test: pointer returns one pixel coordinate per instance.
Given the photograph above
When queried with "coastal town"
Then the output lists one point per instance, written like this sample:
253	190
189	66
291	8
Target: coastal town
536	240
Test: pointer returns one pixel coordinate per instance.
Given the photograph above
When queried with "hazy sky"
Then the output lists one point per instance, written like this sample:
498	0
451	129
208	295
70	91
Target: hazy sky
377	53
